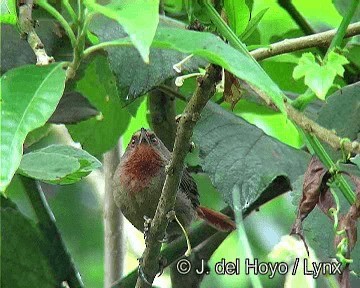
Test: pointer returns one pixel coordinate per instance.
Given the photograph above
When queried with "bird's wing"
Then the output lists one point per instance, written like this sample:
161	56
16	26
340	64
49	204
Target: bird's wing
189	187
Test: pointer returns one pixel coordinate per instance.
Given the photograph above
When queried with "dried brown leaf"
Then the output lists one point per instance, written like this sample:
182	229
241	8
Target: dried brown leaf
232	89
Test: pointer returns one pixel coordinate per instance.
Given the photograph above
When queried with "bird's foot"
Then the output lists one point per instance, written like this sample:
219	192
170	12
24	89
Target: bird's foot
147	225
162	265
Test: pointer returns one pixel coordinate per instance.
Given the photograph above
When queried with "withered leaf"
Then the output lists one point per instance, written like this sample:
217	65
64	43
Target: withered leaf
315	179
232	89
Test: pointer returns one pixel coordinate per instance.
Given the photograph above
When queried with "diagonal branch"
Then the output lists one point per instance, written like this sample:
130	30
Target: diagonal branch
203	93
26	26
291	45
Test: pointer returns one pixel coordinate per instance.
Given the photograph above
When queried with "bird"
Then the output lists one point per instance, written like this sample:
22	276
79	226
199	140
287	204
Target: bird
138	181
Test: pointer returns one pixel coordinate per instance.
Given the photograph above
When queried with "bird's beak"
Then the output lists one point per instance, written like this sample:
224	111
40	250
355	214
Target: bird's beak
143	137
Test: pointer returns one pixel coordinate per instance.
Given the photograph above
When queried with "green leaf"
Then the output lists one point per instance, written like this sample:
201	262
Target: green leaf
239	156
335	62
98	84
29	96
141	77
141	27
23	261
253	23
238	15
58	164
319	78
8	12
341	112
37	134
213	49
356	160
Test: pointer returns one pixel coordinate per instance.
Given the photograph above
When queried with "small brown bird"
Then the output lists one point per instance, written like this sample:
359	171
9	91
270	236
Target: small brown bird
138	183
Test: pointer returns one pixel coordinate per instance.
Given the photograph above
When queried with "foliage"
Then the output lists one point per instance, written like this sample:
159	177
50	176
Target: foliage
248	146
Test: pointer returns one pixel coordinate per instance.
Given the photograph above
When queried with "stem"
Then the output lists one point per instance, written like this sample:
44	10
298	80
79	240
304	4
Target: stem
52	11
339	36
71	11
114	238
242	238
304	42
303	100
58	255
224	29
329	163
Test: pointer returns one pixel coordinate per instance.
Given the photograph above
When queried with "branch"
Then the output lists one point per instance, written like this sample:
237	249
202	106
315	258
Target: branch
199	259
113	223
26	26
291	45
204	91
58	255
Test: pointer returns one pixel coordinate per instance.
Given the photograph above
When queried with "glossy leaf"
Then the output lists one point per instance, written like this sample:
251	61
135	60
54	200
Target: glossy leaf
58	164
141	27
98	85
23	261
213	49
141	77
72	108
239	156
29	96
238	15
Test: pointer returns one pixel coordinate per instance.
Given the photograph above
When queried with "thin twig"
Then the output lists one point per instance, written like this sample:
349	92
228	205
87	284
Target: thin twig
291	45
27	28
204	91
114	238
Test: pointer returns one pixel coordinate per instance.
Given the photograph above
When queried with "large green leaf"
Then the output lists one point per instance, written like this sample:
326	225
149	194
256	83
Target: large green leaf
29	96
58	164
141	27
98	84
341	112
23	262
239	156
213	49
238	15
141	77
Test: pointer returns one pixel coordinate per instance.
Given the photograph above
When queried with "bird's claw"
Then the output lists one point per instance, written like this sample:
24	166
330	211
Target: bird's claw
141	272
162	264
147	225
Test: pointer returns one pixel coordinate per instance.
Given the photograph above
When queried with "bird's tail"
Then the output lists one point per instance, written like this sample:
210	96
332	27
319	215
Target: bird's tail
215	219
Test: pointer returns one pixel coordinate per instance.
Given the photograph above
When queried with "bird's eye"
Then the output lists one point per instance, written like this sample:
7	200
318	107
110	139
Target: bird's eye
154	139
133	142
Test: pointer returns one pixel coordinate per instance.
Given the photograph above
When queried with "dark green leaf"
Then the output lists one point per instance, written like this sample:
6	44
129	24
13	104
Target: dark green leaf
341	112
140	27
343	6
251	26
213	49
23	263
239	156
37	134
58	164
55	43
141	77
101	133
29	96
72	108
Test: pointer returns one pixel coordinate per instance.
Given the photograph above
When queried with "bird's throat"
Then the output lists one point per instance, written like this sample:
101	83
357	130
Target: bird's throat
142	165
